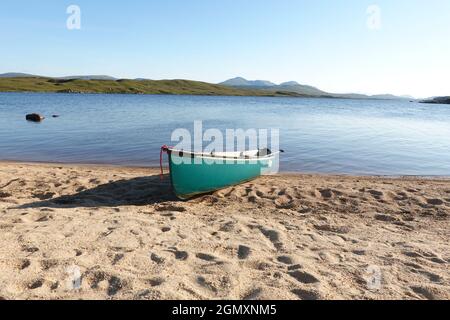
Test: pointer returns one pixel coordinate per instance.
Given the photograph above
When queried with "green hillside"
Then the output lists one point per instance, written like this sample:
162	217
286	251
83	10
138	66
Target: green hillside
176	87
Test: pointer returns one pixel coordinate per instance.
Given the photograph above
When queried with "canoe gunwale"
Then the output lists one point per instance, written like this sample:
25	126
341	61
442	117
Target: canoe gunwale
182	153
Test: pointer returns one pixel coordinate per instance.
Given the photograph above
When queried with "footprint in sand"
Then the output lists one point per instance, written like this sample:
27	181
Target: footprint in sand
243	252
48	264
376	194
209	200
44	196
431	276
385	218
430	256
286	260
35	284
54	285
306	294
328	193
169	207
179	255
115	284
228	226
412	254
30	249
273	236
253	294
24	264
401	196
303	277
205	257
117	258
359	252
167	215
415	267
157	259
333	228
435	202
94	181
155	282
295	267
5	194
424	292
438	260
287	202
206	284
44	218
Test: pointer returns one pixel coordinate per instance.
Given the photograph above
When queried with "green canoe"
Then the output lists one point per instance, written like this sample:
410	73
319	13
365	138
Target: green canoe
193	174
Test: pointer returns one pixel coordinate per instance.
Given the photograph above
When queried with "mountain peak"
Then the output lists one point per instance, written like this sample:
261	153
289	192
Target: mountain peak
242	82
290	83
26	75
88	77
17	75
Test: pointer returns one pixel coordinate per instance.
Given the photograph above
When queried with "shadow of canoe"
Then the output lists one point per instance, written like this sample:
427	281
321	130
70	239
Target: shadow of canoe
139	191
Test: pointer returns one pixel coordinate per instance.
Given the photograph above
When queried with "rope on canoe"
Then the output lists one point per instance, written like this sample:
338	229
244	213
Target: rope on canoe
164	149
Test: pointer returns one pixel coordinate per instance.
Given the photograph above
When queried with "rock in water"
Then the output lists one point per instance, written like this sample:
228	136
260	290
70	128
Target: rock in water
55	116
34	117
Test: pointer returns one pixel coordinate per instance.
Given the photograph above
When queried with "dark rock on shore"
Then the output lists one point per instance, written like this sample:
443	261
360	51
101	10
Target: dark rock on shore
34	117
438	100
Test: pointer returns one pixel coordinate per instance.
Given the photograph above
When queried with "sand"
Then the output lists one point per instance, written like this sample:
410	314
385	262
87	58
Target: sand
91	232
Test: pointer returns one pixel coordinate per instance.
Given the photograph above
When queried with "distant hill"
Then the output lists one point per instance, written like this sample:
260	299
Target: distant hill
17	75
389	97
20	82
293	86
241	82
437	100
26	75
93	77
300	89
126	86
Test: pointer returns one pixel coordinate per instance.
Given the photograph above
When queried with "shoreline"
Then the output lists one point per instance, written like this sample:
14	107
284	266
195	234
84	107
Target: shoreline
289	236
281	173
164	87
275	96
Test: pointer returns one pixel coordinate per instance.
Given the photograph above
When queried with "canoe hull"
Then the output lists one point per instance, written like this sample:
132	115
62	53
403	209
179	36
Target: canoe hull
194	176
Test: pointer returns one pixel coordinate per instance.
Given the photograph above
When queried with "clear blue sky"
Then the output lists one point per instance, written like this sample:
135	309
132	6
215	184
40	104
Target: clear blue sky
325	43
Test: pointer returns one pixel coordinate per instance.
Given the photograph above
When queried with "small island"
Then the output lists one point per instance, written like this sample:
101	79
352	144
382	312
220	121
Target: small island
437	100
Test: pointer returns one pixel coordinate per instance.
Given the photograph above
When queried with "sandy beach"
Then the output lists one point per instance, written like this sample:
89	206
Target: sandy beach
98	232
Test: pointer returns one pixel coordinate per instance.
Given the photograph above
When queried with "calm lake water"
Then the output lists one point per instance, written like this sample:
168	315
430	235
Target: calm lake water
319	135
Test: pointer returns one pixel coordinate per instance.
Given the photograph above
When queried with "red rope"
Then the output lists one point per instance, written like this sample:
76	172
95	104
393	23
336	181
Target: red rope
164	148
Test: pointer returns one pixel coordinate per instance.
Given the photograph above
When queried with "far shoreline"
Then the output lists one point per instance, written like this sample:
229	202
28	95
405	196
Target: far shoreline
208	95
38	84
